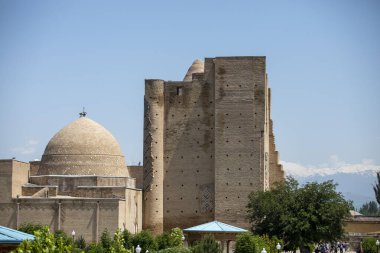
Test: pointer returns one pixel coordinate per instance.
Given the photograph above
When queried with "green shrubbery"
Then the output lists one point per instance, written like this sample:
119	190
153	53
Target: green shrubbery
119	242
207	245
125	242
369	245
249	243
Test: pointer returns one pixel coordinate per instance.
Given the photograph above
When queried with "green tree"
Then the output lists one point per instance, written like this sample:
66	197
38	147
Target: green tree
207	245
300	216
370	209
376	188
351	205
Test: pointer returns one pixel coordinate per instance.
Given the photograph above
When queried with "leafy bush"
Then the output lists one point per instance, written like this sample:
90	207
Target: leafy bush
249	243
80	243
369	245
65	238
118	243
29	228
105	240
245	243
174	250
146	241
176	237
127	236
163	241
94	248
44	242
170	240
207	245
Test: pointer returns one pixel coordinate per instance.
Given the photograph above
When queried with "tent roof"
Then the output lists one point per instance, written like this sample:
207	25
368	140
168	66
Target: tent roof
11	236
215	226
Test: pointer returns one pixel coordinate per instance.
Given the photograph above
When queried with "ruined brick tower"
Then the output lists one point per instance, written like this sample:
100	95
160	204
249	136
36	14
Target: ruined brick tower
208	143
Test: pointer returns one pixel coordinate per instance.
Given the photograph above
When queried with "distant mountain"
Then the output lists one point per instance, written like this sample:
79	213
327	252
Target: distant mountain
354	186
355	181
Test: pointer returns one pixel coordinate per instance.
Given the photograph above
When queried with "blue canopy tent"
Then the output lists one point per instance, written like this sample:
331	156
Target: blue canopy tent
222	232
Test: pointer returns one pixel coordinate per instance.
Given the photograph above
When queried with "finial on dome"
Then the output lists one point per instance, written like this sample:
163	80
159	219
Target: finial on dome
82	114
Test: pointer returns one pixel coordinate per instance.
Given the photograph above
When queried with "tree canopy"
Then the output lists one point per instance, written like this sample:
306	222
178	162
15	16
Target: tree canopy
376	188
313	213
370	209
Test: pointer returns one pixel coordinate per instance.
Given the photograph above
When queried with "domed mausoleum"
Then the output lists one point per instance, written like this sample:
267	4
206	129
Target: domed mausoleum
83	147
82	183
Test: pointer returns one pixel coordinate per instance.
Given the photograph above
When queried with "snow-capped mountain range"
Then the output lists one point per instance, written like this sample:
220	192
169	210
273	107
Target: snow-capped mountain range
355	181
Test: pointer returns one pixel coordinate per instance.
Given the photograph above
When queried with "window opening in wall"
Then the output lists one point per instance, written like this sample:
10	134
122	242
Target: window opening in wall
179	91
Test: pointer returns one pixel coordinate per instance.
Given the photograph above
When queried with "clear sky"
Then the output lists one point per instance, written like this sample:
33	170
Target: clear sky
322	58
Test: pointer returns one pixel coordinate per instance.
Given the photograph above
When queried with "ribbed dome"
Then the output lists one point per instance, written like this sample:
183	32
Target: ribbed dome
196	67
83	148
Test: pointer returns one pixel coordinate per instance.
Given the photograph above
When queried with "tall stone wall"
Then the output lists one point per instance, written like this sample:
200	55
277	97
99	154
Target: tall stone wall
239	134
276	173
87	217
217	142
153	156
188	153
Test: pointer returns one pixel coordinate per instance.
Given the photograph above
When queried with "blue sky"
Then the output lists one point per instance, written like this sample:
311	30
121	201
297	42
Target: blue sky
322	58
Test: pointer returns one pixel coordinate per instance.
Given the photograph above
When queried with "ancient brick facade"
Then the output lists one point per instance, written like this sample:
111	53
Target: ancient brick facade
208	143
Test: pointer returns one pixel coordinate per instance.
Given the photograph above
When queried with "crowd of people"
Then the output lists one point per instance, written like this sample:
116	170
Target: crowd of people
331	248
